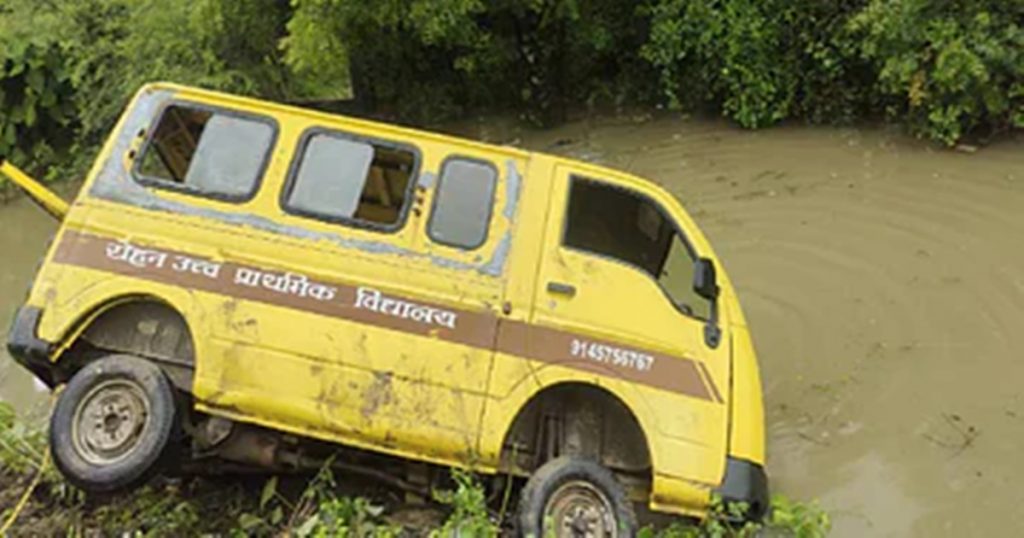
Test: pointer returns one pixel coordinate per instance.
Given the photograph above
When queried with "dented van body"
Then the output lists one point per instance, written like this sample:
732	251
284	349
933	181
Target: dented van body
408	293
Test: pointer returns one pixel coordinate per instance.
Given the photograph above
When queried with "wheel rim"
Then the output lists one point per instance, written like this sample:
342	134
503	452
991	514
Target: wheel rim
579	510
109	421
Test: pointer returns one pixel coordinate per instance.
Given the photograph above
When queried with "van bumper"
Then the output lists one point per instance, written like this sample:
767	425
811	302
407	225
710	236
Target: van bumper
745	482
28	350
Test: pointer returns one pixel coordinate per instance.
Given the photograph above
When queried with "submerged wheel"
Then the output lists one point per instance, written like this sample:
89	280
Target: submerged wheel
575	498
113	424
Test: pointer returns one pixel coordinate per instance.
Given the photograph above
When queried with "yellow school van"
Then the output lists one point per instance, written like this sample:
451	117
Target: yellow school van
241	281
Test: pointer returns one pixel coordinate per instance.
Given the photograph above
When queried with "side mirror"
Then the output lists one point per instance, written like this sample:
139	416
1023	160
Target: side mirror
705	280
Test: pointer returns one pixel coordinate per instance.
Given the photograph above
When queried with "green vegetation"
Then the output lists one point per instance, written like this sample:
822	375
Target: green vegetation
302	508
469	509
86	58
945	69
35	100
787	519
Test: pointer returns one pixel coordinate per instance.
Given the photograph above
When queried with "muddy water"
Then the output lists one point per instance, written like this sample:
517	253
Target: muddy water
884	283
24	233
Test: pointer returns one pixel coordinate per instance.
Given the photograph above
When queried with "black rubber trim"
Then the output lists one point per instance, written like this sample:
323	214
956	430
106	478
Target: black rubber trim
745	482
28	350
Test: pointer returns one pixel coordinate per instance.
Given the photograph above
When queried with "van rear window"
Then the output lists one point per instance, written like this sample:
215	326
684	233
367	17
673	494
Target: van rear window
351	180
207	152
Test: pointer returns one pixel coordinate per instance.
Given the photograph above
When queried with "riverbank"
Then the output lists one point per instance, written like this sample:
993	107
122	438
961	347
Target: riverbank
36	501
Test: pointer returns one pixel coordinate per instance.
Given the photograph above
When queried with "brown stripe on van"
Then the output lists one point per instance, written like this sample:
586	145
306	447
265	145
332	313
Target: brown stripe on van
711	382
601	357
277	287
371	306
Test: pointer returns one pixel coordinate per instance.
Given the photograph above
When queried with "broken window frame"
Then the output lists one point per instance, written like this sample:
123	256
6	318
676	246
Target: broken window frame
164	184
665	214
352	222
490	205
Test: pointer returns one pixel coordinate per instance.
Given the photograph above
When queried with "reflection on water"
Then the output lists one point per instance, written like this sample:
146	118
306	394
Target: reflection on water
884	283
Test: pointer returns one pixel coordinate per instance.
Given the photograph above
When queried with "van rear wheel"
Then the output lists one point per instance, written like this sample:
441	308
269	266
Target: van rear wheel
575	498
113	424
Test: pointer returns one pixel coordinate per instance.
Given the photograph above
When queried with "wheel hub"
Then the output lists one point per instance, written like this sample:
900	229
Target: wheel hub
579	510
109	421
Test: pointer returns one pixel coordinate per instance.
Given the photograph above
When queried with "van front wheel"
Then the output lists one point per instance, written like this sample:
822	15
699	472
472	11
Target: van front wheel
113	424
575	498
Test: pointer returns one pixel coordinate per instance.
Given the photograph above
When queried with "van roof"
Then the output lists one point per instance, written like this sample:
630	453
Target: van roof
229	99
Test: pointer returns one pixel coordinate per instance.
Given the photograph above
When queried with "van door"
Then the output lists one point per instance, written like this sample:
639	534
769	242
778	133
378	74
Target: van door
617	275
464	235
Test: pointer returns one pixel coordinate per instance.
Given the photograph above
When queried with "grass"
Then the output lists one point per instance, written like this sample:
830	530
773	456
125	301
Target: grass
287	506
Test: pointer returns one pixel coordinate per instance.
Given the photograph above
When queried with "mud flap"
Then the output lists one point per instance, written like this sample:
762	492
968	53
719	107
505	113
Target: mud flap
745	484
28	350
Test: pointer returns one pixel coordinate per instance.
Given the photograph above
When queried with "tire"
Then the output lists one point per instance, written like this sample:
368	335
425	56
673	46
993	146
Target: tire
565	483
114	424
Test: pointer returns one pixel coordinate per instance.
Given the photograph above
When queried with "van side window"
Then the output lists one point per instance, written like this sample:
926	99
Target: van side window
351	180
462	204
206	152
625	226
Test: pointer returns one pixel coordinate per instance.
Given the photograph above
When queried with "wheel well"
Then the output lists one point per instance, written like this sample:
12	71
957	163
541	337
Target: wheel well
576	419
146	328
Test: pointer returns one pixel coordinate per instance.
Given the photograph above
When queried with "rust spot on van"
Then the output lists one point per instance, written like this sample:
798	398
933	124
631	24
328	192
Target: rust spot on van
330	398
361	345
225	378
379	394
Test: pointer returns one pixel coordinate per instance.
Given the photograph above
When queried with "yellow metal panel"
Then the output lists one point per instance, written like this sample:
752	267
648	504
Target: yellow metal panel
678	496
376	384
747	435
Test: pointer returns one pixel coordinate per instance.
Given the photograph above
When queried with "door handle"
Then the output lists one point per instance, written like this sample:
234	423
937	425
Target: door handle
561	289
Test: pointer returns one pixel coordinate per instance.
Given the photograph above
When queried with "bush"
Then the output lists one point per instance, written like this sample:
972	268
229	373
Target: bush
424	60
946	68
758	61
728	52
68	68
943	68
35	91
